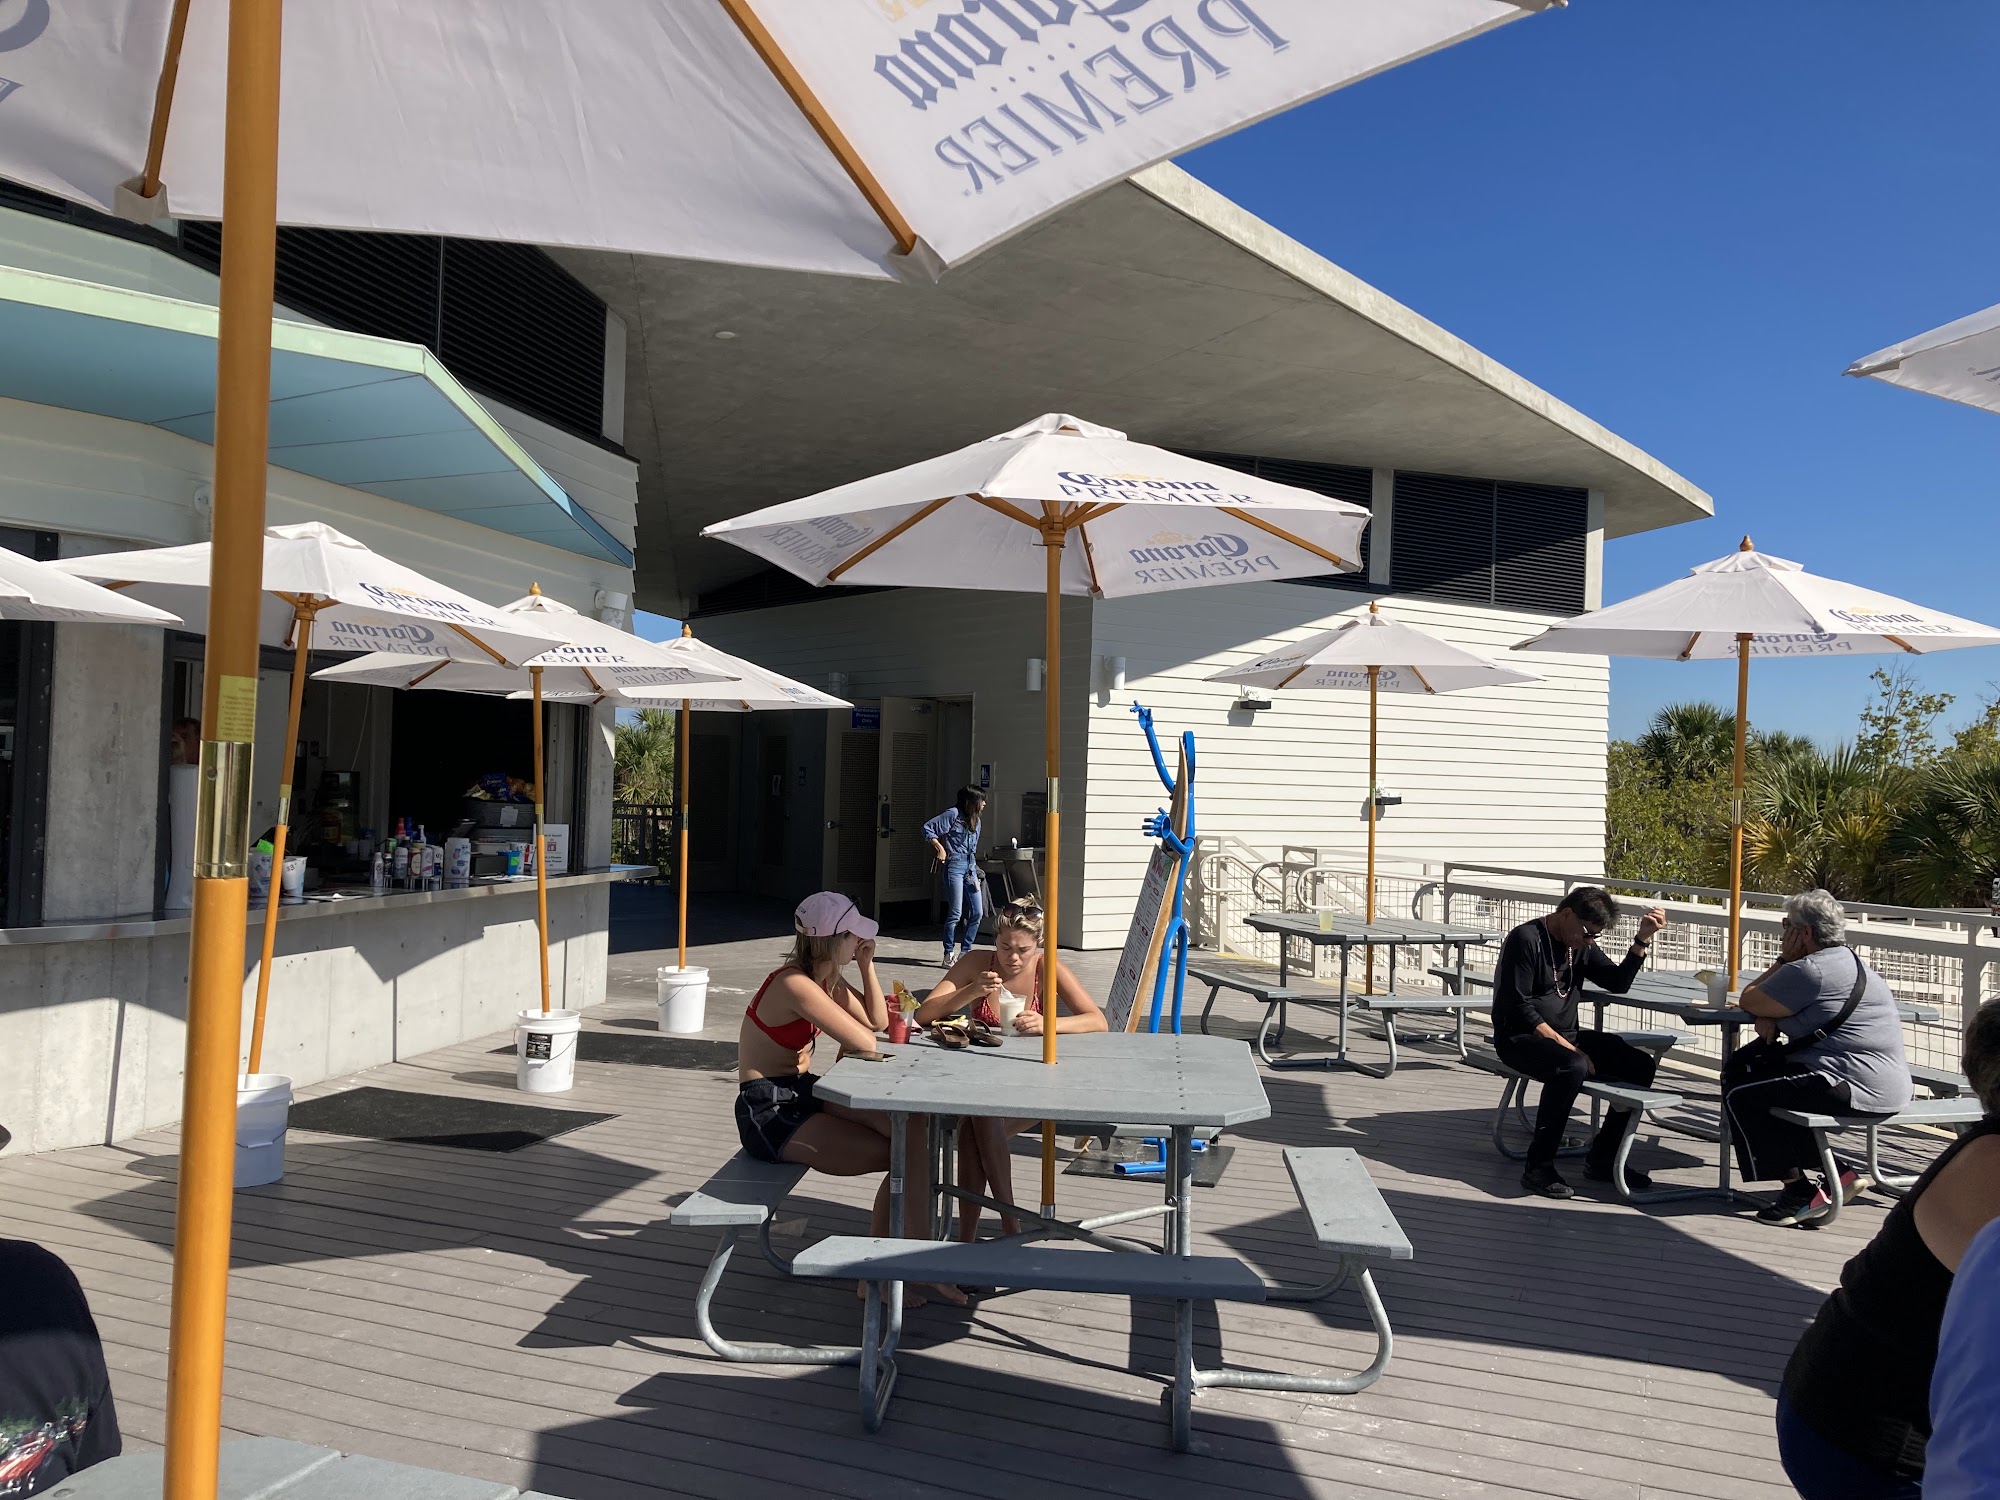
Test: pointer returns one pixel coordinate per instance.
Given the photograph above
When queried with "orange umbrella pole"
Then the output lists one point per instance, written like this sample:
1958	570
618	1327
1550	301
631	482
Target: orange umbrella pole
1052	540
683	743
1374	682
229	729
1733	959
302	624
541	848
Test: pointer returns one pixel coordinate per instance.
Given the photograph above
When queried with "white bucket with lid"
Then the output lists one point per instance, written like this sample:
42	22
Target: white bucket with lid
263	1105
683	999
545	1050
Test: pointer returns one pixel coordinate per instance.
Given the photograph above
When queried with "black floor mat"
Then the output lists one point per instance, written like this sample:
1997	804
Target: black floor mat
650	1051
437	1119
1209	1165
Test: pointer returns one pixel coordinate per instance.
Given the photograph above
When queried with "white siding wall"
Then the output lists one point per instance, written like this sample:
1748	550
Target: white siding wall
1512	776
928	643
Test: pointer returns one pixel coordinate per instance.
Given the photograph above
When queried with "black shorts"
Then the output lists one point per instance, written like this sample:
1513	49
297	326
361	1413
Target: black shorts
769	1112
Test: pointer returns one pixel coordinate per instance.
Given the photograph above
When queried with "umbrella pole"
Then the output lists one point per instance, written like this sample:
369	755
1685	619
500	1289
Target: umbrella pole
204	1200
1734	956
541	847
1374	682
683	743
1052	540
302	624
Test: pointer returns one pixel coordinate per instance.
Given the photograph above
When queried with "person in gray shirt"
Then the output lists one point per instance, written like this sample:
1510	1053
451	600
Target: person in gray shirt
1836	1059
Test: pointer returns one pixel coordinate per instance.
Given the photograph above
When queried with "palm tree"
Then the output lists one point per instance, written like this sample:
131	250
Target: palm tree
643	758
1945	849
1816	818
1690	741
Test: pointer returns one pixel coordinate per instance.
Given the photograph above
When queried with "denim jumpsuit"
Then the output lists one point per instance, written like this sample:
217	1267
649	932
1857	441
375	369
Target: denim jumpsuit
962	909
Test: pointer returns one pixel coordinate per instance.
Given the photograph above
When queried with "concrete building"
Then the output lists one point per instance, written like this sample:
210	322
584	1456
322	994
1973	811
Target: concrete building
105	390
1161	308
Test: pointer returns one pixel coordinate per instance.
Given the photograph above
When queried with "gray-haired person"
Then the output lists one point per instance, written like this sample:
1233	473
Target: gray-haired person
1842	1053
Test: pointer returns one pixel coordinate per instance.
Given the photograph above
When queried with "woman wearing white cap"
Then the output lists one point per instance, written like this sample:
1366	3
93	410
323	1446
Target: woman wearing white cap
778	1116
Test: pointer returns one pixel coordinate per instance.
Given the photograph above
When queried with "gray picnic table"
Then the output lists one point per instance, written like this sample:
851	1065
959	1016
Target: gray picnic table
1346	932
1179	1083
1677	993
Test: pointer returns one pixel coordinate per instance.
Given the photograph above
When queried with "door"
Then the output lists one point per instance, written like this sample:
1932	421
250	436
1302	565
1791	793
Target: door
905	791
847	850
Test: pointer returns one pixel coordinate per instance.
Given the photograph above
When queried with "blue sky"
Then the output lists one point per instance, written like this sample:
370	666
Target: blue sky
1685	218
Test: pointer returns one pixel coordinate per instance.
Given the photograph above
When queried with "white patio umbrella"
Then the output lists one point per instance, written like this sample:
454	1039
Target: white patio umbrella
1381	655
1145	520
794	133
599	662
33	590
315	576
1959	362
1746	605
804	134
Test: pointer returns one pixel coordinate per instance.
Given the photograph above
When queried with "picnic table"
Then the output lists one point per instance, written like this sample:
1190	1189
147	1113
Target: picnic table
1345	932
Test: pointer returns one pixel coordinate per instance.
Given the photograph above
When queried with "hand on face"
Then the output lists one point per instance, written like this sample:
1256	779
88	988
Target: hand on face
1793	945
864	952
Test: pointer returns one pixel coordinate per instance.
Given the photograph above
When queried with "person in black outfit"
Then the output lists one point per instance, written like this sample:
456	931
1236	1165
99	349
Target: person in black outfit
1543	964
1854	1419
56	1416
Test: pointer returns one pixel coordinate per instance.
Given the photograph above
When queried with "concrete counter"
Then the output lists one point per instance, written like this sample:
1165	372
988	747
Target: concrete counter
92	1015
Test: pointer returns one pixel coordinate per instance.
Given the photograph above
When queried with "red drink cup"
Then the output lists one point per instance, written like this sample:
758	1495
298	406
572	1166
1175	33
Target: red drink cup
899	1027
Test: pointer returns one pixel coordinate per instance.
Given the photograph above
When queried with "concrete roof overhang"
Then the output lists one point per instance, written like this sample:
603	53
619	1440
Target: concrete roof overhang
1157	306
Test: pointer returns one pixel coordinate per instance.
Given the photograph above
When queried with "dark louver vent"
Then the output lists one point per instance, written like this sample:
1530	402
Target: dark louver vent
1341	481
1518	546
505	319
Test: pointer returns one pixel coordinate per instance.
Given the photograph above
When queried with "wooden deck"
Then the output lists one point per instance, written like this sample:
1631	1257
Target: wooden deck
526	1317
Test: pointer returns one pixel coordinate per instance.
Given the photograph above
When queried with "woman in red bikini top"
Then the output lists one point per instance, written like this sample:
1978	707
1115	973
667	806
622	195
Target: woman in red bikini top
1001	987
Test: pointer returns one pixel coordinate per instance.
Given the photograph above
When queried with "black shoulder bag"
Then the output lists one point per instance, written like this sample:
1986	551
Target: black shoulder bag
1758	1059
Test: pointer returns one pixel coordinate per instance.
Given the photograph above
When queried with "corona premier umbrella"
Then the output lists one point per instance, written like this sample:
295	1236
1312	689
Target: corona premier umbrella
1005	512
792	133
1380	655
315	576
1747	605
32	590
598	662
1958	362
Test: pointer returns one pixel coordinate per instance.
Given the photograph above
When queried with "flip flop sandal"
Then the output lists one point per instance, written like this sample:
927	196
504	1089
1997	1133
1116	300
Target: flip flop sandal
952	1039
982	1036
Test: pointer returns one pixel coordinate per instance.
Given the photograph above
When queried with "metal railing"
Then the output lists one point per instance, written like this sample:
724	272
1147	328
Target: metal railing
642	833
1949	959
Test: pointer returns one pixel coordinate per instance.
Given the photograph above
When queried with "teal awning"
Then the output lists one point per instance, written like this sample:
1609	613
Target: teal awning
372	414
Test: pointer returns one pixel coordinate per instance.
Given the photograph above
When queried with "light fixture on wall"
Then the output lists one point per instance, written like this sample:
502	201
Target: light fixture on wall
836	684
611	606
1249	705
1035	668
1115	668
1387	799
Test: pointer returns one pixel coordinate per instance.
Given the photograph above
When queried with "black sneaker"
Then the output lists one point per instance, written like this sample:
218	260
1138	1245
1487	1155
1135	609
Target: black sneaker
1546	1182
1800	1203
1635	1180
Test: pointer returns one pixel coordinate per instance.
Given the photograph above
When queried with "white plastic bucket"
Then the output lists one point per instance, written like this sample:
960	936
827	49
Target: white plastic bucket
683	999
263	1103
545	1050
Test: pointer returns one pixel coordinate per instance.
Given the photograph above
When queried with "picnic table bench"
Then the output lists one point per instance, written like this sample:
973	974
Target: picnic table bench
1346	1212
1263	983
745	1194
1949	1111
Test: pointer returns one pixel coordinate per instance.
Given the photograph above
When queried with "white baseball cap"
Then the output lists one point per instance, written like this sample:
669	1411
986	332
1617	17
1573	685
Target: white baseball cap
826	913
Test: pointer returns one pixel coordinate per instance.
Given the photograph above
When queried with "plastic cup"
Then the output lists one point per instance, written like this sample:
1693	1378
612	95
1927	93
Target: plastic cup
899	1027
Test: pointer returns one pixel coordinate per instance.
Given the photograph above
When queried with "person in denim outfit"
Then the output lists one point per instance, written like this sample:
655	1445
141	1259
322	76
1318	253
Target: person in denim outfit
954	841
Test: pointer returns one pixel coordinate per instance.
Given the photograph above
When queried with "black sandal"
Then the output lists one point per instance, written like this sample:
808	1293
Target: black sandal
983	1035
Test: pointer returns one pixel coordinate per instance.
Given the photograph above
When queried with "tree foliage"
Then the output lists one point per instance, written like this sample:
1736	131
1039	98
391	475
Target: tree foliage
643	758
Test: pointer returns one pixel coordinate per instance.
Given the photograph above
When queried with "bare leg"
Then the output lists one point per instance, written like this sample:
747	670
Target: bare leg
991	1137
971	1177
916	1178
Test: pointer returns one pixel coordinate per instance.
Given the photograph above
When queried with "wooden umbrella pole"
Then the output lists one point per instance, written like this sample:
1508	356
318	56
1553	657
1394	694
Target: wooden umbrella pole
683	744
1052	540
205	1197
541	847
1374	682
1734	957
302	623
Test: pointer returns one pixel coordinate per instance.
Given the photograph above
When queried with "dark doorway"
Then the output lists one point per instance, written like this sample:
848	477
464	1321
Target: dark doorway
443	743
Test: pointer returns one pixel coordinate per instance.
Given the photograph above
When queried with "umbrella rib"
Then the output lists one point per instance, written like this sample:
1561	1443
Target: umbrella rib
886	537
1688	649
163	101
428	672
1417	672
1011	512
480	644
1293	677
1285	536
773	57
1090	562
1896	640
